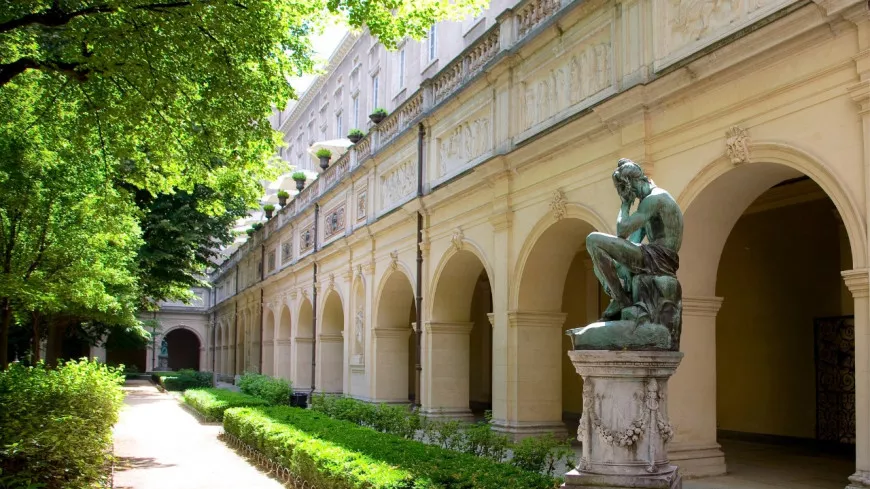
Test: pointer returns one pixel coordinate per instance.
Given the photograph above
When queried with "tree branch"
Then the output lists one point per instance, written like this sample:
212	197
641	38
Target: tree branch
8	71
55	17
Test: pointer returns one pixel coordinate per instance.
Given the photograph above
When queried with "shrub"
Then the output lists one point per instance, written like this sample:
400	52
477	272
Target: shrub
338	454
356	132
212	403
323	153
268	207
541	454
257	226
56	424
283	194
185	379
272	390
299	176
380	111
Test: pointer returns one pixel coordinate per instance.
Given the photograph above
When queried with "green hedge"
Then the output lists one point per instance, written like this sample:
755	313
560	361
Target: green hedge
56	424
339	454
184	379
212	403
275	391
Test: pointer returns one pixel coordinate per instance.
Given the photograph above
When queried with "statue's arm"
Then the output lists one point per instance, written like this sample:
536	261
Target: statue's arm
637	236
628	225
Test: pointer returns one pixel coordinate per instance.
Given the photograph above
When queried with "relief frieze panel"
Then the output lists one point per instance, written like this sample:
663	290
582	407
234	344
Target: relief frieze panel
398	183
463	144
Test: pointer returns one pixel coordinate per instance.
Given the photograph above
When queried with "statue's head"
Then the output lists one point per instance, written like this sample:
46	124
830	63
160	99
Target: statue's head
630	180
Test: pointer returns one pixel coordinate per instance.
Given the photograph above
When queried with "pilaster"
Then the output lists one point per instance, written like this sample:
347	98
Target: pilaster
446	381
858	282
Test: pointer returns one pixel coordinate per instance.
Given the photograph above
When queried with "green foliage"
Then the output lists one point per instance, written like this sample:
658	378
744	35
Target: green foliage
478	439
380	111
250	231
323	153
181	239
56	424
339	454
212	403
268	207
257	226
270	389
298	176
185	379
540	454
283	194
356	132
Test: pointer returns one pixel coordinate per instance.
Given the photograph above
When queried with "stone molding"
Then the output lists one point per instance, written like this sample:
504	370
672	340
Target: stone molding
436	327
858	282
303	340
283	342
536	319
330	338
702	306
390	332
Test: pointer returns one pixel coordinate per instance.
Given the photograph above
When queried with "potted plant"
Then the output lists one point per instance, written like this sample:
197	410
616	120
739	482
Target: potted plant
250	231
283	195
355	135
324	155
269	209
299	178
378	115
257	226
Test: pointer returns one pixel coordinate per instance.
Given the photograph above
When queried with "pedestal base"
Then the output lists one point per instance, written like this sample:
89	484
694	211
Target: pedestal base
668	478
624	428
162	363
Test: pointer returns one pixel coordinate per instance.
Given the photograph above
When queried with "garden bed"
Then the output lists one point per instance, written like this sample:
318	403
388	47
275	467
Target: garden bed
210	404
338	454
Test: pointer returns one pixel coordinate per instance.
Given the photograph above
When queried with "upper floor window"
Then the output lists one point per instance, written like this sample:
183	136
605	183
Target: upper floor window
401	68
338	129
355	114
432	42
375	89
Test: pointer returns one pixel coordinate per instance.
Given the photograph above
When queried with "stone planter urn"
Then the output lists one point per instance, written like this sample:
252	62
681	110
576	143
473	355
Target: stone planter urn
377	117
324	162
300	184
355	138
282	201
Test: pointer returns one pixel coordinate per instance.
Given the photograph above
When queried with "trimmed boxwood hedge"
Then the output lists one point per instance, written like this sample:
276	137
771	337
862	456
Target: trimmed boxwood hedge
339	454
212	403
183	380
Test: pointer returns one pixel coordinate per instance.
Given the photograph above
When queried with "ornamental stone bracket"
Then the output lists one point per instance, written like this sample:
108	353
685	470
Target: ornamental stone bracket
858	282
559	205
737	145
457	240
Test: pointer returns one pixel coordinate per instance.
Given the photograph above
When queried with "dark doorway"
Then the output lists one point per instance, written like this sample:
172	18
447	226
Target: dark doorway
183	348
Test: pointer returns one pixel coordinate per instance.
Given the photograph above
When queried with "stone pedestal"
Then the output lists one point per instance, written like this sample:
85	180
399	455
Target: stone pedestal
162	363
624	428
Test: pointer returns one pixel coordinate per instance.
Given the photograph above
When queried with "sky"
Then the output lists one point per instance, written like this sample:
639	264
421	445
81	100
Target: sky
324	45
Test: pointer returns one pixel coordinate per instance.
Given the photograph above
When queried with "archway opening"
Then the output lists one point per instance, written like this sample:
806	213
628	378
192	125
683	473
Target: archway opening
268	342
458	340
123	348
283	345
394	345
331	342
769	243
183	347
558	291
302	344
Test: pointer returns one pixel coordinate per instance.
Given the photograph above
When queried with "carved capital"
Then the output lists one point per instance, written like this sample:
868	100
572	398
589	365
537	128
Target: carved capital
502	221
737	145
858	282
860	93
701	306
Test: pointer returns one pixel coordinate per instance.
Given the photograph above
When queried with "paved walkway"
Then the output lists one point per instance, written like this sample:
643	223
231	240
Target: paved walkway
162	446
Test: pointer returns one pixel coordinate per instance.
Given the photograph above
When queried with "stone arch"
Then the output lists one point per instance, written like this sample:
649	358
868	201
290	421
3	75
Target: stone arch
714	204
458	337
574	212
268	341
302	344
283	343
392	353
555	289
330	344
183	345
707	223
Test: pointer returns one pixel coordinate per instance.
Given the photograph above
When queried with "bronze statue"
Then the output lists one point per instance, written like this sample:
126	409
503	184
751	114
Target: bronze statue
641	278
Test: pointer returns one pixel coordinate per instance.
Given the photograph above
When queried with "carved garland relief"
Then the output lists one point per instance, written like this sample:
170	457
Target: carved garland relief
334	222
306	239
361	205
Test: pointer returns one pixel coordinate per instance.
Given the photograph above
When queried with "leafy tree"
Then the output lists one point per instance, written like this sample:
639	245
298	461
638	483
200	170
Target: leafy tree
181	240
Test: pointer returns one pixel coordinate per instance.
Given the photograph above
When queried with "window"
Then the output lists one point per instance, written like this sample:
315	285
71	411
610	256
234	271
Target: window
433	42
375	101
402	68
355	115
338	128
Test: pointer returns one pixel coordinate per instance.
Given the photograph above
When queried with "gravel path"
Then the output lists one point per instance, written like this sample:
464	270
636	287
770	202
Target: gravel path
162	446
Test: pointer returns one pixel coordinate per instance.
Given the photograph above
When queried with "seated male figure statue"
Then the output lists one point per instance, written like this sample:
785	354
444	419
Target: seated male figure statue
640	278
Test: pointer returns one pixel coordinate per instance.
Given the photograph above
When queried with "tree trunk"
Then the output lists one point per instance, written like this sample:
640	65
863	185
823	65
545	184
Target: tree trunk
36	338
55	342
5	321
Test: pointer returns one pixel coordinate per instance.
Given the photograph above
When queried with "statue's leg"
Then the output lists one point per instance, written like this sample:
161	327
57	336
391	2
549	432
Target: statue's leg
612	256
